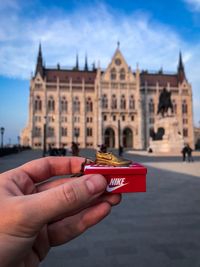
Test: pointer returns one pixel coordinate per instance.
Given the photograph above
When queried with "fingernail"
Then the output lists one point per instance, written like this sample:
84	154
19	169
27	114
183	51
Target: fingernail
96	183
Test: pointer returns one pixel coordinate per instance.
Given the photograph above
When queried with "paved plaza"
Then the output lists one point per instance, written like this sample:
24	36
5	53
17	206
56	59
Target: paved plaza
158	228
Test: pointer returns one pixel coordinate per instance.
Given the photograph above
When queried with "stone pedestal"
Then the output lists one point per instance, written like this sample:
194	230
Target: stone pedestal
172	140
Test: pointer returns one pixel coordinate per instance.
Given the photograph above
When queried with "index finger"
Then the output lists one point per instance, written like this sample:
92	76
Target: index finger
44	168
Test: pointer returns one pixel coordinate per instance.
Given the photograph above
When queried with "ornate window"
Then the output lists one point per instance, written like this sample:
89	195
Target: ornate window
151	106
37	132
77	132
114	102
123	102
185	132
131	102
51	104
89	105
76	104
50	132
64	104
113	74
122	74
89	132
104	101
38	104
63	119
63	131
184	107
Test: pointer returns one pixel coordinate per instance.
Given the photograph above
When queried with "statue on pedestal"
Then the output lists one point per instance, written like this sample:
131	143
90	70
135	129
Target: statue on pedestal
165	137
164	102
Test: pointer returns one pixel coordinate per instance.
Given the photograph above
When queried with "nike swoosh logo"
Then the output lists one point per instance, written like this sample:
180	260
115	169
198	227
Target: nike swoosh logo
110	189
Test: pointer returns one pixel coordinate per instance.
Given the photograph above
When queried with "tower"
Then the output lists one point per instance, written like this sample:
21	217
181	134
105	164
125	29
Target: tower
86	63
39	65
180	70
77	62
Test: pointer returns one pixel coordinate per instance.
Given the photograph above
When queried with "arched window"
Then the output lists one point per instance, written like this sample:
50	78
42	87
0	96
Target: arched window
76	104
174	106
114	102
123	102
184	107
151	106
51	104
50	132
89	105
185	132
89	131
131	102
63	131
113	74
37	132
64	104
104	101
38	104
122	75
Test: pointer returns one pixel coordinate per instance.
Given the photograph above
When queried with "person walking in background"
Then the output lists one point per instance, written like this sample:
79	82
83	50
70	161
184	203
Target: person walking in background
63	151
75	149
103	148
184	151
189	153
121	150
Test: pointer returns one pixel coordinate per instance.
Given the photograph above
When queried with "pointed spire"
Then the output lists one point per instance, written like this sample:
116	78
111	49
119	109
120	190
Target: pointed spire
180	64
40	50
39	65
77	62
93	66
86	63
181	71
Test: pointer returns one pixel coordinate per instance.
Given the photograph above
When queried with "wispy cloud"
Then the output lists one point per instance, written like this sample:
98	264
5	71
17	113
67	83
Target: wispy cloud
194	5
94	30
9	4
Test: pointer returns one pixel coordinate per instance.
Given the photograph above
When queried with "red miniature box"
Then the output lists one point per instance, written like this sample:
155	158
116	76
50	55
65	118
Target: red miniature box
121	179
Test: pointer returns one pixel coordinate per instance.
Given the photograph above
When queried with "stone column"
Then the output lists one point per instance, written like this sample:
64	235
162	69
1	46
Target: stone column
83	116
71	118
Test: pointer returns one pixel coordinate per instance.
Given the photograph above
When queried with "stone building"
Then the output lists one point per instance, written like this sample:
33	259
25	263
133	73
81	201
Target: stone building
94	106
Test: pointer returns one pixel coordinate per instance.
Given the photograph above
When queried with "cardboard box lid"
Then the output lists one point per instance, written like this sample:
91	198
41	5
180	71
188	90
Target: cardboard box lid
134	168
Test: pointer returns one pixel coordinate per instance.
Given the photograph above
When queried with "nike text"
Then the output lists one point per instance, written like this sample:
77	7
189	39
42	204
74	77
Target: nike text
117	181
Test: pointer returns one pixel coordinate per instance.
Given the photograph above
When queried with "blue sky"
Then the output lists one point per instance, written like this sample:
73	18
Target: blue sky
151	33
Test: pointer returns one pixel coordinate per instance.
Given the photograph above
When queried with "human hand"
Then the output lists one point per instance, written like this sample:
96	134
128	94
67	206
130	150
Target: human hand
36	216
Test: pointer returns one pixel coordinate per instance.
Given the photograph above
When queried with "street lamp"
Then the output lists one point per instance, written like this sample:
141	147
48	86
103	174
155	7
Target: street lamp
119	137
2	133
76	135
44	137
18	140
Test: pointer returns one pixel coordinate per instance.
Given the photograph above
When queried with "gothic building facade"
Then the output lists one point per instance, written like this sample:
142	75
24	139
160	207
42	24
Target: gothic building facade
94	106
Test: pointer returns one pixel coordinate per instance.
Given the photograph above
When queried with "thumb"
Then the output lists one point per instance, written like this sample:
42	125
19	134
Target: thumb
46	206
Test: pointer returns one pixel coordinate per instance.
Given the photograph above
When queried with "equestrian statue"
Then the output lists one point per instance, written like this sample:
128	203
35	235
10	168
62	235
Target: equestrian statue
164	102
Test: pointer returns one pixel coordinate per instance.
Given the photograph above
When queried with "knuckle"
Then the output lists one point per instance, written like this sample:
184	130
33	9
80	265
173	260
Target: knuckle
70	194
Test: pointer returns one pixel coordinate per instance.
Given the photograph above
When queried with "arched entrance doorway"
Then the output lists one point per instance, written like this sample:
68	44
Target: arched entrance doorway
127	138
109	137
